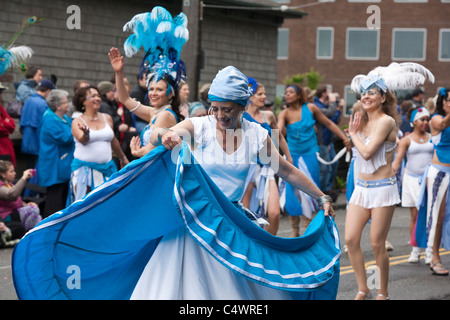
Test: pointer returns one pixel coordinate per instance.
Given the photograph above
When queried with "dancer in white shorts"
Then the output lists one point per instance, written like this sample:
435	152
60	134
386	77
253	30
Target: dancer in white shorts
374	134
418	149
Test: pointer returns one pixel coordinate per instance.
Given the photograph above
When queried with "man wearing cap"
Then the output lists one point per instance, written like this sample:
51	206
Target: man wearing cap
32	113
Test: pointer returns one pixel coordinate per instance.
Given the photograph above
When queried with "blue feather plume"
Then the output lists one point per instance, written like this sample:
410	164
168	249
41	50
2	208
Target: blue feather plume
162	38
15	56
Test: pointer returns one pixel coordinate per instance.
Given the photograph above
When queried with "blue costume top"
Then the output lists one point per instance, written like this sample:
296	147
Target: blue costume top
264	124
301	136
147	131
443	147
56	149
31	117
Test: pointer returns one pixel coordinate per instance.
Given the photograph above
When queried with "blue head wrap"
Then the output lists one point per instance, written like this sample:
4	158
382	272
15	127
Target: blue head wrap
230	85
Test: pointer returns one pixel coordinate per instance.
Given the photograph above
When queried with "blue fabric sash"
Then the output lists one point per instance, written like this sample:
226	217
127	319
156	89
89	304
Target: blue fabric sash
420	235
110	249
309	165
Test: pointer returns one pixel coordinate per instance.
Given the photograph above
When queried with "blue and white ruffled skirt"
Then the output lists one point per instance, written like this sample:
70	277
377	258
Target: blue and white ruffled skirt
161	229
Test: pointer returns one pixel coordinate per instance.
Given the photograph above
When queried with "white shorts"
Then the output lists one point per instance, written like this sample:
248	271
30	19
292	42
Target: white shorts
376	193
410	190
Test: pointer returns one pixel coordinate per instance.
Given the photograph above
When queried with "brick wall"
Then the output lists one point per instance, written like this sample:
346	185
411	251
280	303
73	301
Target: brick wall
342	14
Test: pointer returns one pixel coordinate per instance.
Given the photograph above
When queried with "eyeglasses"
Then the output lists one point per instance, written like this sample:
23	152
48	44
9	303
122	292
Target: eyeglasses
371	93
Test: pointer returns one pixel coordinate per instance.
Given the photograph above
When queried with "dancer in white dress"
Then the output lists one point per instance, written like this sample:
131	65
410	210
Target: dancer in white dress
185	234
225	145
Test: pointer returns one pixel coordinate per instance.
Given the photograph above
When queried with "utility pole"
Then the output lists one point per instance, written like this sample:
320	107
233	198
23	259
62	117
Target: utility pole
191	53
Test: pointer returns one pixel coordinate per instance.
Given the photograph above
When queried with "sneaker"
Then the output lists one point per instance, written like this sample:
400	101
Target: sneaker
389	246
415	256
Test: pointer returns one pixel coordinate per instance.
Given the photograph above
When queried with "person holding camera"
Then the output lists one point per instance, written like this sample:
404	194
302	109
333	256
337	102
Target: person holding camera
16	216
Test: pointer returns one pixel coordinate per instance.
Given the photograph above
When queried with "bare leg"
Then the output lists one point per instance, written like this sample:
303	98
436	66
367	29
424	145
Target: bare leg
381	221
412	222
355	221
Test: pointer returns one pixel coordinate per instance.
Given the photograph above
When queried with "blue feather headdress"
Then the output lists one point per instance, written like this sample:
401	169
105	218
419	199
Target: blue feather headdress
16	56
162	38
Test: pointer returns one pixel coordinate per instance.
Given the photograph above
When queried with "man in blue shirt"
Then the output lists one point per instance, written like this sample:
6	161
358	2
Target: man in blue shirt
31	117
326	101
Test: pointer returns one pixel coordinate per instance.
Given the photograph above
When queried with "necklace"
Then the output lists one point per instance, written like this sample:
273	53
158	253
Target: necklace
156	111
89	118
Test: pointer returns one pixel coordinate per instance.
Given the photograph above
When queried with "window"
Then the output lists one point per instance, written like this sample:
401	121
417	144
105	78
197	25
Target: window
362	44
407	1
409	44
283	43
325	43
444	45
350	99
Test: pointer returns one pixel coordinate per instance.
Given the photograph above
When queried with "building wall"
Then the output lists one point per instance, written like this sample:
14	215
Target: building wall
244	40
341	14
77	53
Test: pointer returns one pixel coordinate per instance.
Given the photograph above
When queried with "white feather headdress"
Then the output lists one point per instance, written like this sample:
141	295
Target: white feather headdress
396	76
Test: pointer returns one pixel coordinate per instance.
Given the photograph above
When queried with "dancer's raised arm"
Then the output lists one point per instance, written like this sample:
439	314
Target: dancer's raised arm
142	111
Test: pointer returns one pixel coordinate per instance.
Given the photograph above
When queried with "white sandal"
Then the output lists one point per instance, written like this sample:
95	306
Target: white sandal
383	295
366	295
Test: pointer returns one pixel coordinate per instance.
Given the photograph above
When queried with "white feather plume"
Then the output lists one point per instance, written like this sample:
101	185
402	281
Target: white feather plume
21	54
397	76
356	82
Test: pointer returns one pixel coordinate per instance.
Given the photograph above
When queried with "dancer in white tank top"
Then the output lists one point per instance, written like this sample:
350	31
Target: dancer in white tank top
418	149
94	145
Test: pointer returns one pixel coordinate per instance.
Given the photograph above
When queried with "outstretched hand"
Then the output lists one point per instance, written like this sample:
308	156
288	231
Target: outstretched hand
170	140
135	146
354	124
116	59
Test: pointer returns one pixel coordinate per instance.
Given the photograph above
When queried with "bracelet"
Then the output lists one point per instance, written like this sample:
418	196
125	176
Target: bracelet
162	132
137	107
323	199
